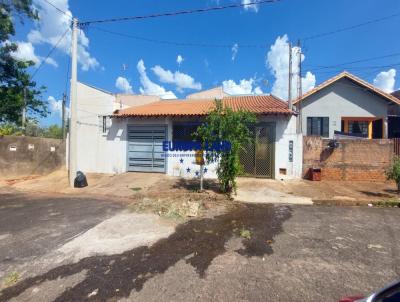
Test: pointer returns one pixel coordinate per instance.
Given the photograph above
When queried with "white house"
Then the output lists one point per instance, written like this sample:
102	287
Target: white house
116	139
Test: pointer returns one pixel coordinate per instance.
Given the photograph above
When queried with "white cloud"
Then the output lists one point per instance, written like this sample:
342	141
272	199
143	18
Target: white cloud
278	63
25	52
149	87
250	7
51	27
235	49
385	80
51	61
179	60
56	106
181	80
243	87
308	82
123	84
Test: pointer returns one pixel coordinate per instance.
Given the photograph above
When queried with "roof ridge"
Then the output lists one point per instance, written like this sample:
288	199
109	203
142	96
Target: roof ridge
352	77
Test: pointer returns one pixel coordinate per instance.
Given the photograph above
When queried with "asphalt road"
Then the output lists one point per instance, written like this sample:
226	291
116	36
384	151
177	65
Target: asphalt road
291	253
33	225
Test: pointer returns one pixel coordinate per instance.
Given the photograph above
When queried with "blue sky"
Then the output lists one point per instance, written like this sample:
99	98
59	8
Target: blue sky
105	57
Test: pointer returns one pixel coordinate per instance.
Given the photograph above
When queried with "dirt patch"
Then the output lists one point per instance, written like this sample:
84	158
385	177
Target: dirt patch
181	205
197	241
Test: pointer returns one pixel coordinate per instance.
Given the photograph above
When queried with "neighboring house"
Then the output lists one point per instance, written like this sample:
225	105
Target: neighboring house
213	93
130	100
142	130
394	118
346	104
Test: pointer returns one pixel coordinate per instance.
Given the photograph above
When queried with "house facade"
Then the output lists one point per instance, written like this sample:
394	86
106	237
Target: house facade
346	105
114	140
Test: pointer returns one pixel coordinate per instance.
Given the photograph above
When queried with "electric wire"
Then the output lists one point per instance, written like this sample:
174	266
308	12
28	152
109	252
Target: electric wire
182	12
57	8
49	54
350	27
186	44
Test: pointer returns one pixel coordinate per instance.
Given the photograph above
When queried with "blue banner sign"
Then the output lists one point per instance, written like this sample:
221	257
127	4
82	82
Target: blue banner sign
217	146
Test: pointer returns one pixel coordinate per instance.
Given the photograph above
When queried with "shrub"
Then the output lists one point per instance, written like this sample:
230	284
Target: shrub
393	173
225	125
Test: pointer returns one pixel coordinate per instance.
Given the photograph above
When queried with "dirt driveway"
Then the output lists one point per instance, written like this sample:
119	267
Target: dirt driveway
248	253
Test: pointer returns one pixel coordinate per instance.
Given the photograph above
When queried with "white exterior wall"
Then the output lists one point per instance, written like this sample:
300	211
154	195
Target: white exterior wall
97	152
285	131
108	153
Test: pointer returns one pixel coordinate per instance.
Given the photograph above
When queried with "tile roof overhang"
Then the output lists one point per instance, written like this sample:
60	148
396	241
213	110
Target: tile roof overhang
260	105
355	79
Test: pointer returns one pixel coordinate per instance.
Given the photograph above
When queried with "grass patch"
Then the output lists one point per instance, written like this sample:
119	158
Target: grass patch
245	233
136	189
390	203
12	279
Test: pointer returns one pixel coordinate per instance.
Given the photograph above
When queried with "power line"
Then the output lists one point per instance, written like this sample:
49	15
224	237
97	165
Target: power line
357	61
350	27
57	8
174	43
182	12
49	54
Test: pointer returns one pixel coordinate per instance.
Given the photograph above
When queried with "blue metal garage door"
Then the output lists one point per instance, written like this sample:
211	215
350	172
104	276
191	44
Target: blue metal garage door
145	153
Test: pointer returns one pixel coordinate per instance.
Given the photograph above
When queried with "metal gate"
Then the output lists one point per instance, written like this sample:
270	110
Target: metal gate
145	153
258	158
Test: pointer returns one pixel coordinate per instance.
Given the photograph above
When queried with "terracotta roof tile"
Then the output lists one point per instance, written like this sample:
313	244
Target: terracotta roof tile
262	104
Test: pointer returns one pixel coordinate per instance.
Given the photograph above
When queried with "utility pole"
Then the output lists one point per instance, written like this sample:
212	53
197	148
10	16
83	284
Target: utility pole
299	90
24	113
64	99
290	78
73	104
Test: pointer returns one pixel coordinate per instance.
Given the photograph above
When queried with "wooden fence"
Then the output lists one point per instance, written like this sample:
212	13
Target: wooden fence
396	144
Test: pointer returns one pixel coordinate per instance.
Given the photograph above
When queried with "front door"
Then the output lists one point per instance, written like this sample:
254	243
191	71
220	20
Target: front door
257	158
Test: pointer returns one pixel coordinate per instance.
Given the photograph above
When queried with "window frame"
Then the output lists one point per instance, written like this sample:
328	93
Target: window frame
323	132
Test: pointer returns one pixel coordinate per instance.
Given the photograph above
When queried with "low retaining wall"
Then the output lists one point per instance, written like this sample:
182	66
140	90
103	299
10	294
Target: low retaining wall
358	160
23	155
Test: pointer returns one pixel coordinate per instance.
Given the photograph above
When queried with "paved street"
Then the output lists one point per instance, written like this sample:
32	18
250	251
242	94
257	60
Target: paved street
251	253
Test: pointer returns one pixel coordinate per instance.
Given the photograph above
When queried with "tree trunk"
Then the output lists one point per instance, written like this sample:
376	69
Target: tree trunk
398	187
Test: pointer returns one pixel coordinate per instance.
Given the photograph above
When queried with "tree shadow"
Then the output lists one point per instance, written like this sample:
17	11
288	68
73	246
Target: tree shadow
198	242
379	194
194	184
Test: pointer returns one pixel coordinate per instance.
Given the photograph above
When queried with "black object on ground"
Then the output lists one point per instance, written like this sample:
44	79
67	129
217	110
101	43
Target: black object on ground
80	180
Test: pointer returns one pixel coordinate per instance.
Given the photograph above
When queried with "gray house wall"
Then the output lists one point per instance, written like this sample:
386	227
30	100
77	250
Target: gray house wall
343	98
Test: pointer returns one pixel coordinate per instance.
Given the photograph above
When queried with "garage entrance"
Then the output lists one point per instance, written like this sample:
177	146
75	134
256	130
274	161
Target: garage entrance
258	158
145	153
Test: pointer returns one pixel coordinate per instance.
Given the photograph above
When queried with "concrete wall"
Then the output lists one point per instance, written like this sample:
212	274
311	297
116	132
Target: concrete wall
342	99
358	160
22	155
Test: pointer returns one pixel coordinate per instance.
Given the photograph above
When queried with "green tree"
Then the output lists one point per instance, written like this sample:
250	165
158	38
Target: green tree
14	77
53	131
393	173
225	125
9	129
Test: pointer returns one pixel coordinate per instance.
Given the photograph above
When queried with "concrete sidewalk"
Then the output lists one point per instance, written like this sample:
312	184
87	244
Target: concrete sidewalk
253	191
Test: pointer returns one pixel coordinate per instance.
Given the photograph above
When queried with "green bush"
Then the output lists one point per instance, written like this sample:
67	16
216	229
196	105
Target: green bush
393	173
224	124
